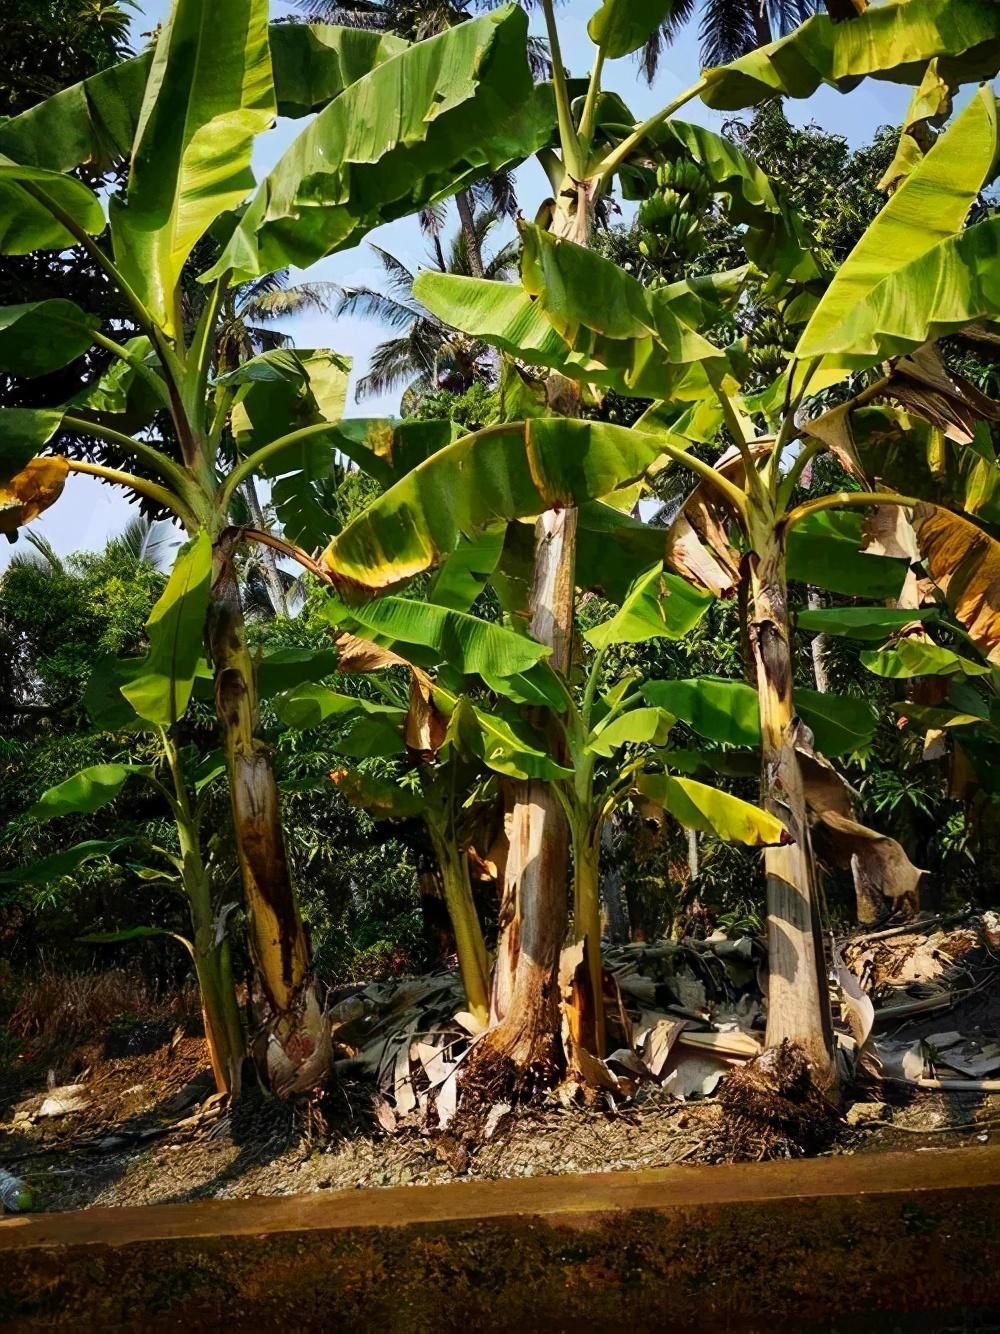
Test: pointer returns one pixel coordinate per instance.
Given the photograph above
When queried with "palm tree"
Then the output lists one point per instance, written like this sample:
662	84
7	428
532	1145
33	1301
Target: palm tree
728	29
425	354
242	331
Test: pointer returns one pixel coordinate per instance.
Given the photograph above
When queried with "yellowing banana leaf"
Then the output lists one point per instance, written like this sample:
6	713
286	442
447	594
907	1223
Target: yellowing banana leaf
697	806
929	107
210	92
893	40
918	657
658	606
508	472
941	292
86	792
43	336
964	562
24	432
381	798
427	635
930	206
621	26
24	496
416	128
643	726
509	748
161	688
27	224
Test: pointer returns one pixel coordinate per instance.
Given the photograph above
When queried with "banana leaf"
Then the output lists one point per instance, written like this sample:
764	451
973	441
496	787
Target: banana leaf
418	127
161	687
24	432
86	792
508	472
697	806
622	26
43	336
27	224
929	208
658	606
210	93
893	40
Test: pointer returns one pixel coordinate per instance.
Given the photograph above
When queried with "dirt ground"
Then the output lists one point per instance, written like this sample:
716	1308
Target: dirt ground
128	1119
148	1136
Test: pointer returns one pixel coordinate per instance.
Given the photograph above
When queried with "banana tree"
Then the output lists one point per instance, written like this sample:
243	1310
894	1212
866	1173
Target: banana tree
186	116
182	780
593	326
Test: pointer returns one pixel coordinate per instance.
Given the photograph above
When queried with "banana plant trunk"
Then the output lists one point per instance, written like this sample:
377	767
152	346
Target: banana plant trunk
524	1015
473	962
798	1007
295	1051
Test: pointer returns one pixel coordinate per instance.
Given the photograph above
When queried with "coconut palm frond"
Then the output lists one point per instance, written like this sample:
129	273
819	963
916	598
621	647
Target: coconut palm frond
400	278
400	360
726	31
367	304
503	265
497	193
433	218
43	556
650	55
786	15
283	302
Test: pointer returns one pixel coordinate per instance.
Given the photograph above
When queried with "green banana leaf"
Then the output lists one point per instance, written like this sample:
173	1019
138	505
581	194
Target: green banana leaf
128	394
864	623
840	724
27	224
466	572
421	125
824	550
24	432
582	315
727	711
622	26
658	606
58	864
86	792
643	726
161	688
509	748
106	706
285	390
210	93
930	207
697	806
285	668
427	635
916	657
893	40
718	709
310	704
43	336
508	472
96	120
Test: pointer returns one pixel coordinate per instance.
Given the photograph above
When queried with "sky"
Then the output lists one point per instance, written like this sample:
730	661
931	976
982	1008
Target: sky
89	512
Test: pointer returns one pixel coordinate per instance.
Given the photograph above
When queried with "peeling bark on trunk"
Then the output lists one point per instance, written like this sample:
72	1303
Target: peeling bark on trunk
798	1007
296	1052
819	644
525	1003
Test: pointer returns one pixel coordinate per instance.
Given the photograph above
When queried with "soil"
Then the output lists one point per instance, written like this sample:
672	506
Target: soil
153	1134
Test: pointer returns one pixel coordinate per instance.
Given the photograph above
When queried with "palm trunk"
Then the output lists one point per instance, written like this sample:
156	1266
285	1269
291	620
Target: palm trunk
467	218
798	1007
298	1053
473	963
271	575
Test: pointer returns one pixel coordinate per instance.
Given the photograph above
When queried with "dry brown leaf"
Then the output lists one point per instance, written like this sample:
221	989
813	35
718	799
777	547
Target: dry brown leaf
964	562
356	655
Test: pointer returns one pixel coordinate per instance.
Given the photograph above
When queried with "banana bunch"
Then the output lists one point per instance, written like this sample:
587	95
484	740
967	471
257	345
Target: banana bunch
770	345
671	219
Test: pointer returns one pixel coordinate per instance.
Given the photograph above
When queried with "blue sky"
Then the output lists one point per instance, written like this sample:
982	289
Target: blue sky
89	512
